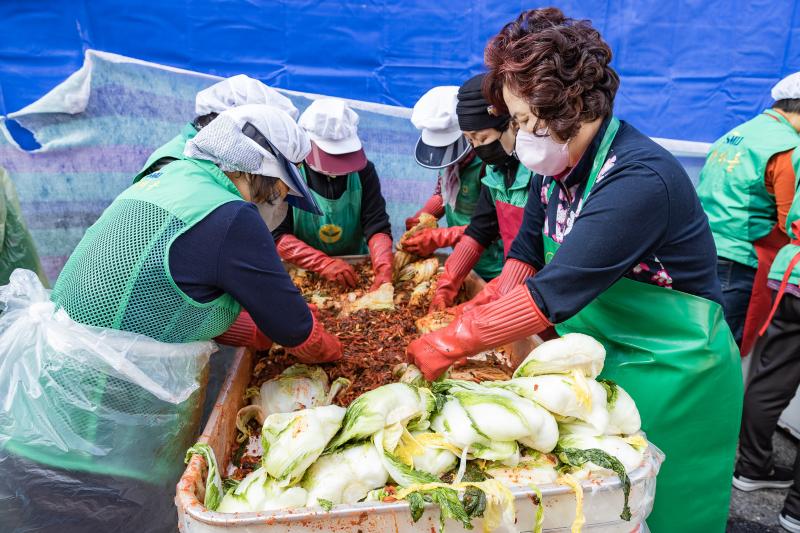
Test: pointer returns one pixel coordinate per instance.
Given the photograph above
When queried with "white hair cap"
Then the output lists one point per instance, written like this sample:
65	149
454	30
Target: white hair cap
332	125
240	90
435	114
787	88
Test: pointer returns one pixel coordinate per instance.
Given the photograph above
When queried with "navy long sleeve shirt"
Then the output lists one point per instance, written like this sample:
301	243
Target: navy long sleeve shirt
643	220
231	251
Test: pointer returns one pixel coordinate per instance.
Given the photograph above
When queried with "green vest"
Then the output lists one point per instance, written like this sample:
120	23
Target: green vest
786	253
517	194
118	276
338	230
732	189
173	148
490	263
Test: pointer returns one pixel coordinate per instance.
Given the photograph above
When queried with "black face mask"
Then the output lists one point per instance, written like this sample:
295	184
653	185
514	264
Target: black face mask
493	153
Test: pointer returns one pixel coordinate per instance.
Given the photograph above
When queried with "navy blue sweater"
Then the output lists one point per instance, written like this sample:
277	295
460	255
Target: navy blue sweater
231	251
643	220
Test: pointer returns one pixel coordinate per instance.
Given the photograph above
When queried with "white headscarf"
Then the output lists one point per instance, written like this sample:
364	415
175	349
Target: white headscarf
223	142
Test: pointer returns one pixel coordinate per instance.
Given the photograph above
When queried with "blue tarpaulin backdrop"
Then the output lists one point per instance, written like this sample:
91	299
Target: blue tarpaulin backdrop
690	69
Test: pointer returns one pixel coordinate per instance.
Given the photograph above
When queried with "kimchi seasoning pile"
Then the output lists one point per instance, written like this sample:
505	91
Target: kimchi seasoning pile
373	341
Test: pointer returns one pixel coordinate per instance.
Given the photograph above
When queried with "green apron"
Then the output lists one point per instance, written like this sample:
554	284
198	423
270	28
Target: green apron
675	355
338	230
490	263
172	148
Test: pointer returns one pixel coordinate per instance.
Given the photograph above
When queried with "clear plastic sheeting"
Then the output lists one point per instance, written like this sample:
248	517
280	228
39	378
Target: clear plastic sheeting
97	128
100	417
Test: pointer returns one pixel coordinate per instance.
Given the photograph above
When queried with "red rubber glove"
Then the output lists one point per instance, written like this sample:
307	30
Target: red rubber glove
466	253
509	318
297	252
434	206
514	273
320	346
426	241
244	332
380	253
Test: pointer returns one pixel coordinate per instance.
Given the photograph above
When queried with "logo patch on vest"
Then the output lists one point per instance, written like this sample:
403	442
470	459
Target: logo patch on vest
149	182
330	233
734	139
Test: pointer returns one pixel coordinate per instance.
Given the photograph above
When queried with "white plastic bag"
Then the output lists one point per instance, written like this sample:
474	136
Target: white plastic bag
93	399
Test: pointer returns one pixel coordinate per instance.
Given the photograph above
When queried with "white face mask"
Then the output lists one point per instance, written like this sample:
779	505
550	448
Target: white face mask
542	155
273	215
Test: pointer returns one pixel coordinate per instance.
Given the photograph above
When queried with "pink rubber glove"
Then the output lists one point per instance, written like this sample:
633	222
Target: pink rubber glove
380	253
514	273
320	346
465	255
507	319
434	206
297	252
426	241
244	332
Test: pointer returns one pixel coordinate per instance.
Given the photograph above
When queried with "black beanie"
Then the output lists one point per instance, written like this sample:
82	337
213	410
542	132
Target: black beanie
473	109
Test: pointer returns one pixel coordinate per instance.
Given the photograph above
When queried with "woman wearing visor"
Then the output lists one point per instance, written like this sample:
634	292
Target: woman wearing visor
346	187
442	146
210	102
174	258
219	256
614	244
498	213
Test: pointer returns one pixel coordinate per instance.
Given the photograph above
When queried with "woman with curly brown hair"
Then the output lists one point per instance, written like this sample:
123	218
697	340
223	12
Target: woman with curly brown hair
613	244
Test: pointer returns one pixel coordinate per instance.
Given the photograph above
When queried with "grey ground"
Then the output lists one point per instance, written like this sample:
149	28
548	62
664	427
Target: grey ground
757	511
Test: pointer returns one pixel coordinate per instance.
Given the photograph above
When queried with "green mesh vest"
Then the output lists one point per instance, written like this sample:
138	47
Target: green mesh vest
732	189
490	263
172	148
118	276
786	253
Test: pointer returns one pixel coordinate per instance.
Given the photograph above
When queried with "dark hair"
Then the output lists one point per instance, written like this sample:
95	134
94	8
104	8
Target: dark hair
559	65
202	121
263	189
789	105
